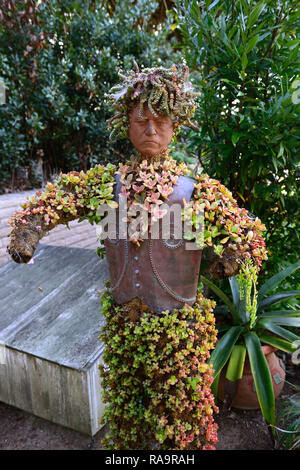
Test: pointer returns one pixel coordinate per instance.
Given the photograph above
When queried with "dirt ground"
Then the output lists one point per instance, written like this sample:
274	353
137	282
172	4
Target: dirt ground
238	430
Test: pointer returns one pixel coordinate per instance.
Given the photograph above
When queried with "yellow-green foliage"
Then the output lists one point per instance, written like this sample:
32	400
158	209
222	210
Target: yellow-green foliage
156	379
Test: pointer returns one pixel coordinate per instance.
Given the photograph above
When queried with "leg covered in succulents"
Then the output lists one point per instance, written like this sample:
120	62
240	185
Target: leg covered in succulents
156	379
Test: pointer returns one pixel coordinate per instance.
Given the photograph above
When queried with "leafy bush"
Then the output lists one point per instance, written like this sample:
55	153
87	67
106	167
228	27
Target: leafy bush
57	62
245	56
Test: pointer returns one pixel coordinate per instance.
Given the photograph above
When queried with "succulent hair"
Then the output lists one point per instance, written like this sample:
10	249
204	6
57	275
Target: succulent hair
164	91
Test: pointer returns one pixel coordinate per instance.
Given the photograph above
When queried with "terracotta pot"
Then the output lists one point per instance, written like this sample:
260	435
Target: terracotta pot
246	397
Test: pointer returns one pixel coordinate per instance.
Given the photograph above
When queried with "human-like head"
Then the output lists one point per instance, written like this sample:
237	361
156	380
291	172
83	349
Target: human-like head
150	105
151	134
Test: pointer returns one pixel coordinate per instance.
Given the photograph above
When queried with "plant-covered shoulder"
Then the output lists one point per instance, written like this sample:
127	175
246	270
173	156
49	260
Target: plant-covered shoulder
75	195
228	230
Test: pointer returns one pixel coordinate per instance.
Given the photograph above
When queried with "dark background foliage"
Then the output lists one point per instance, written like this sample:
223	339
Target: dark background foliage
57	61
245	57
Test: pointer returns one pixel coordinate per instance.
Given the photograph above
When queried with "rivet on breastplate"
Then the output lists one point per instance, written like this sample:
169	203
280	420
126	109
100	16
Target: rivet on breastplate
136	271
137	285
136	258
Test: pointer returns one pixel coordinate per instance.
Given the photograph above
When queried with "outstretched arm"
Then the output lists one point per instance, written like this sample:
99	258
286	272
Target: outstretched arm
230	233
72	196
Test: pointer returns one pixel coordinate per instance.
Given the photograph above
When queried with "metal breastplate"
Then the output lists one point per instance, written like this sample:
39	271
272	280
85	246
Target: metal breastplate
162	273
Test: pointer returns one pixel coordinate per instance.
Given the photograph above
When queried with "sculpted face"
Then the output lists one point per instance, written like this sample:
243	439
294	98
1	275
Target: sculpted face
150	135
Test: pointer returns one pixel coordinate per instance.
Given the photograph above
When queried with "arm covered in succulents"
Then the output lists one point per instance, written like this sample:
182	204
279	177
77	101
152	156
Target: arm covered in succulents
230	233
72	196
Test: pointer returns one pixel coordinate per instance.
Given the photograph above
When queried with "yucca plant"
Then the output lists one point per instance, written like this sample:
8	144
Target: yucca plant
288	417
253	324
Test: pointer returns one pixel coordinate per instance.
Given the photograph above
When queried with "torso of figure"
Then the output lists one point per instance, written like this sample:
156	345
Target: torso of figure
161	272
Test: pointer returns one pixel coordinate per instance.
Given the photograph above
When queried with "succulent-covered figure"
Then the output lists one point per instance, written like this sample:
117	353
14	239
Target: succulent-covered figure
159	328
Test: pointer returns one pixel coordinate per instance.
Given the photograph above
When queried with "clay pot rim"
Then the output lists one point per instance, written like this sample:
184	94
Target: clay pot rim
268	349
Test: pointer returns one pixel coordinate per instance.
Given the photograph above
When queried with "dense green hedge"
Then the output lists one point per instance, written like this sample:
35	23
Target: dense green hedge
57	62
245	56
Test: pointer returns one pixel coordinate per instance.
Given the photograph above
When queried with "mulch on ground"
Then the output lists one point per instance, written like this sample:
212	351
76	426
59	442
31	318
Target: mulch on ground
238	430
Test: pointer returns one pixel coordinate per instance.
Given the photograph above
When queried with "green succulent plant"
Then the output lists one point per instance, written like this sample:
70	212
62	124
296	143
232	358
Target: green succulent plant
165	91
253	323
155	377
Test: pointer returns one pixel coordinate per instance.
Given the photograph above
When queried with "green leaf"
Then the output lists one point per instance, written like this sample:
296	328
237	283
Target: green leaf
235	290
273	299
278	330
193	382
161	437
253	17
278	343
242	310
281	150
112	204
228	81
218	249
235	137
290	321
235	367
286	313
274	281
222	296
244	65
173	380
222	328
221	353
274	163
293	43
215	386
252	43
213	4
262	377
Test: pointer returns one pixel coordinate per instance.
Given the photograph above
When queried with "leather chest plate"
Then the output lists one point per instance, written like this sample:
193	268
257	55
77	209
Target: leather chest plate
161	272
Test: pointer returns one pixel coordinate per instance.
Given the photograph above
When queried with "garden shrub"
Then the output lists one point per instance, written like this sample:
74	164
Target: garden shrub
245	58
57	62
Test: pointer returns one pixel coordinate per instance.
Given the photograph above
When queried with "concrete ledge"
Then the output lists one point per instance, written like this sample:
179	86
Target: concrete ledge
50	321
